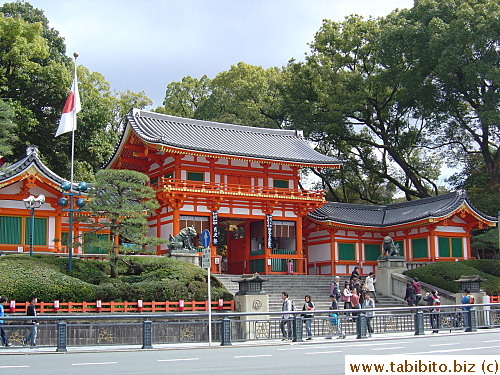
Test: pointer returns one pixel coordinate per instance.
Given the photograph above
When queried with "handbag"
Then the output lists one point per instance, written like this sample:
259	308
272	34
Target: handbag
344	298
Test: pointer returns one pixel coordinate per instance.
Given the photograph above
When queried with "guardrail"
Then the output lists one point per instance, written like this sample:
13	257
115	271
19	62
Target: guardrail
146	330
121	307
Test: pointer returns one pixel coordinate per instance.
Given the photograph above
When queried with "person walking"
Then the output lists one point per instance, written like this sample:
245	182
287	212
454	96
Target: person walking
418	290
5	340
354	302
467	299
370	285
355	273
369	305
346	296
335	288
308	316
335	324
410	294
31	311
433	299
286	318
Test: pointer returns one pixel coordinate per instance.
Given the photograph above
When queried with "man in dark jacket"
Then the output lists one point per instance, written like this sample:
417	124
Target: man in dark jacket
31	311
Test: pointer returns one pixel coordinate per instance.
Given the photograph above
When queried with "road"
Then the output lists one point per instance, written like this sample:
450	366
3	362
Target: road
316	357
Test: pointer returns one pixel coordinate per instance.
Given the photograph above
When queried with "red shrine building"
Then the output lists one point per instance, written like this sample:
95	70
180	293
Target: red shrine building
243	185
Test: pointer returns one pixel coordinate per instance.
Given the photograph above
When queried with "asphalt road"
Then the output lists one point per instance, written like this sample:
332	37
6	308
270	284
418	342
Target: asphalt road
315	357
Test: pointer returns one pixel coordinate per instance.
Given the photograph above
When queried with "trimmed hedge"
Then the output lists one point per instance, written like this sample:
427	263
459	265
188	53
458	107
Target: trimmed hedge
443	274
146	278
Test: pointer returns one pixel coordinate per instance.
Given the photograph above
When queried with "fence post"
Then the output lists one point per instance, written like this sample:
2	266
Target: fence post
225	334
147	334
471	319
62	336
297	328
361	326
419	323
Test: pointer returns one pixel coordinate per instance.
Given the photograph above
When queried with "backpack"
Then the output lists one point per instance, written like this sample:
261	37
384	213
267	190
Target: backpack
334	320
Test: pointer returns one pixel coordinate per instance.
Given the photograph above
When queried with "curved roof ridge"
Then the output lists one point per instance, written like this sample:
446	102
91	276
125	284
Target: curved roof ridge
394	214
23	164
205	123
228	140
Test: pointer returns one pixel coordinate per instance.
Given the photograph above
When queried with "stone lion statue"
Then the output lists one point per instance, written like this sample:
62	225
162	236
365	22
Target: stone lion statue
390	248
183	241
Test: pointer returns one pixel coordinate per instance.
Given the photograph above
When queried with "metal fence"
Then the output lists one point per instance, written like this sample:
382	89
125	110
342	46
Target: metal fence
148	330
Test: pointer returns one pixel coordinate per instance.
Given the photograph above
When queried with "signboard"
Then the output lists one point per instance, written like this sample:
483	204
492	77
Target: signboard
215	229
205	258
205	238
269	221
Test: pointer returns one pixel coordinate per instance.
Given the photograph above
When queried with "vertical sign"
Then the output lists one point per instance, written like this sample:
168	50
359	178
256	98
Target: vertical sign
215	229
269	221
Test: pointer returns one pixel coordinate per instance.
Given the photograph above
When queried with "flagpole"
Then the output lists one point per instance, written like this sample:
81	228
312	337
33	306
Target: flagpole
75	55
70	234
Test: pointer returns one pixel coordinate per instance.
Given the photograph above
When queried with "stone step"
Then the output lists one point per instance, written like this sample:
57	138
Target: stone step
297	286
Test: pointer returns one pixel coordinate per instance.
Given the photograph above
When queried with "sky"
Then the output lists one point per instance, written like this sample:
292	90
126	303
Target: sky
145	45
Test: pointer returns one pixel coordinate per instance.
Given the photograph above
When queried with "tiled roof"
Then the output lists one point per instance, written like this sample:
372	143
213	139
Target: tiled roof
225	139
31	159
393	214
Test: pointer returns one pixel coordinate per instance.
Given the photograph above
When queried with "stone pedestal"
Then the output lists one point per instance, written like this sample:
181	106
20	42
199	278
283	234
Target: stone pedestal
252	299
386	267
186	257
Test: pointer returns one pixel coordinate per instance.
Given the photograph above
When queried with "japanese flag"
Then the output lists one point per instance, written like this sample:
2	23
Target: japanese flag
71	108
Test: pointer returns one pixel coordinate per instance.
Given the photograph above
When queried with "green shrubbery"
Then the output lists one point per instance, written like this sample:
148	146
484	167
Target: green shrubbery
146	278
443	274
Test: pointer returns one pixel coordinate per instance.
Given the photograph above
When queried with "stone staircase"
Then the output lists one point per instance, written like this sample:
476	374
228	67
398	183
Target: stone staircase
297	286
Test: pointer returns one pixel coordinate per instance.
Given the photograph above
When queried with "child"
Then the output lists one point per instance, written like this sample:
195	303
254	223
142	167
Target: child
334	320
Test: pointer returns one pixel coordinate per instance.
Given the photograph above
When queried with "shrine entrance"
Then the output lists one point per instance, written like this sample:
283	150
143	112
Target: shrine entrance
243	246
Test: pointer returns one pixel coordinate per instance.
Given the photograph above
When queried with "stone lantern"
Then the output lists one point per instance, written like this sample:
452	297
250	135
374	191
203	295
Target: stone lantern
252	299
472	282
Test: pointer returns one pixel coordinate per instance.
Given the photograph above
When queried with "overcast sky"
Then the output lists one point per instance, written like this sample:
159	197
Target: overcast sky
145	45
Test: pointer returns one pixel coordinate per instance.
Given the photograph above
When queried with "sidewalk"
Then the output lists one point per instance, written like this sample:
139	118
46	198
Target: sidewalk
19	350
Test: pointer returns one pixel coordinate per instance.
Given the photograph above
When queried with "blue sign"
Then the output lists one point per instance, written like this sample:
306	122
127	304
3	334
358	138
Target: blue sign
205	238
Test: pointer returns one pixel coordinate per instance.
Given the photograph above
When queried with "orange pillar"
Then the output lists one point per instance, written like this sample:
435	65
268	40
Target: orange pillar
301	267
58	233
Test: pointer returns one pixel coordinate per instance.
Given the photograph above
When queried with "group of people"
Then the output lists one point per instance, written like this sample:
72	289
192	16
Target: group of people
33	324
355	294
413	293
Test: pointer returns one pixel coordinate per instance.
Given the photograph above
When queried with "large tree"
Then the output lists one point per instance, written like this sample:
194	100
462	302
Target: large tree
35	77
7	130
120	202
245	94
454	46
350	94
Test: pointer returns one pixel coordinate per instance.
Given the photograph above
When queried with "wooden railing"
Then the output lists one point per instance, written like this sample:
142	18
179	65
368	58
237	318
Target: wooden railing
120	307
211	188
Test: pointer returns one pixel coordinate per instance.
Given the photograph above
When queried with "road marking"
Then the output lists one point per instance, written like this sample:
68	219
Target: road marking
392	347
491	341
453	350
453	343
308	347
332	351
178	359
20	366
252	356
94	363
